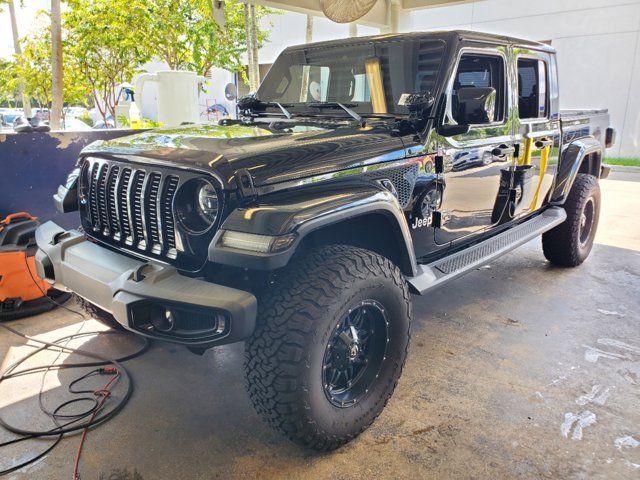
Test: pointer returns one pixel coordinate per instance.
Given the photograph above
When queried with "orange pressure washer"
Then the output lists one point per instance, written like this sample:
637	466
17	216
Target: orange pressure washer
22	291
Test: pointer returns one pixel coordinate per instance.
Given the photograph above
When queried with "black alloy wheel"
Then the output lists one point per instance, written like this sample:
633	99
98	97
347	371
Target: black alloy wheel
355	353
586	221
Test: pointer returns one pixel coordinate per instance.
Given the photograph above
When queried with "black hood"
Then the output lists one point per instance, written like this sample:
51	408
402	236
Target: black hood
269	157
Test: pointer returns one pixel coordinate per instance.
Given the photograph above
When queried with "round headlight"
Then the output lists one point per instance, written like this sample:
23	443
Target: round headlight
197	205
208	202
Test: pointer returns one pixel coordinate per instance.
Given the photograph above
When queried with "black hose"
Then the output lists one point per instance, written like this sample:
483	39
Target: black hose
75	421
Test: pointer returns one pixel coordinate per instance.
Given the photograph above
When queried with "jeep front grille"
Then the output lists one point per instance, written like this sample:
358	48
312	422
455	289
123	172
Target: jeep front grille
130	204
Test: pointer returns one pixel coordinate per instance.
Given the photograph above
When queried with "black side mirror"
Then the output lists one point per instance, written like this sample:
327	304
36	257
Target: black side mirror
417	103
248	101
476	105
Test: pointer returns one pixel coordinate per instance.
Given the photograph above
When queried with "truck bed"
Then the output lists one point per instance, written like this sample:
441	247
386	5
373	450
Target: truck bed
580	123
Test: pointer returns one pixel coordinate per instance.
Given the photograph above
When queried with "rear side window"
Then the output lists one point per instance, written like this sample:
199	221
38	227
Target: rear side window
532	88
481	71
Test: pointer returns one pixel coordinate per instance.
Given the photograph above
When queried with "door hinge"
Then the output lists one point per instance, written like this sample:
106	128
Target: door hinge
246	188
440	219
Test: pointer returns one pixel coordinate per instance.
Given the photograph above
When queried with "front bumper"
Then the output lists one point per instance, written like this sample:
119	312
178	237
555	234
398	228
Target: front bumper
196	313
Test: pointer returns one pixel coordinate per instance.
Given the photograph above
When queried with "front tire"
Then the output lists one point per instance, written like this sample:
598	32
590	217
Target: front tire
569	244
330	344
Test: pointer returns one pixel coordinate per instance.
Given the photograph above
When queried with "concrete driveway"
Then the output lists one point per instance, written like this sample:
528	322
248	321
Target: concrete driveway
520	369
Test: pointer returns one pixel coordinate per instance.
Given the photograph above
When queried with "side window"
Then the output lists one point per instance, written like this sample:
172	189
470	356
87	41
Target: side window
532	88
480	71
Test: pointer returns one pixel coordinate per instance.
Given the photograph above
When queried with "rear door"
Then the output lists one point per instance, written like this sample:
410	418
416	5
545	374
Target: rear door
477	165
537	128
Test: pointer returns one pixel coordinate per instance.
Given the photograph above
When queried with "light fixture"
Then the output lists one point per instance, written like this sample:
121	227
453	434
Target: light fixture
256	243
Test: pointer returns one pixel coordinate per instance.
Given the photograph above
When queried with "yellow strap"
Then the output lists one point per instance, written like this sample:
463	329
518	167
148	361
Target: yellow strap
544	163
528	149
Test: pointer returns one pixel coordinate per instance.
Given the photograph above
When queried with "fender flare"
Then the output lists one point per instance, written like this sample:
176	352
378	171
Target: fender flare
569	166
317	209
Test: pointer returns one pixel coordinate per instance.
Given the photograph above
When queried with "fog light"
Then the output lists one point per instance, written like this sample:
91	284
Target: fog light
256	243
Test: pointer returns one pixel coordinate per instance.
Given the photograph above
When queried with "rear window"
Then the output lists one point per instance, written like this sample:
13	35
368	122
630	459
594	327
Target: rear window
532	88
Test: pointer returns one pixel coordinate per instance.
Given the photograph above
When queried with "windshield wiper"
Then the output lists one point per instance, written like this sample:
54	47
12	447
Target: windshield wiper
344	107
250	102
286	112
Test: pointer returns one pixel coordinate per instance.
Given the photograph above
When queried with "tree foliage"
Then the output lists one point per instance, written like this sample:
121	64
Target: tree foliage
107	39
185	35
33	67
9	91
106	43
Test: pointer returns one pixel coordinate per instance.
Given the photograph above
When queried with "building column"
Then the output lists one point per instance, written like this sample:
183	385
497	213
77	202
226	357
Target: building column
393	15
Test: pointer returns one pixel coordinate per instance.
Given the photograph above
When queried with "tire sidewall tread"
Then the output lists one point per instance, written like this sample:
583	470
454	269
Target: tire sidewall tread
561	245
296	319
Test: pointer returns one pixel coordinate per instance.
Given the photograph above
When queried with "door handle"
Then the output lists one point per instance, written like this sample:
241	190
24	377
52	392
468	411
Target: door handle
503	150
543	143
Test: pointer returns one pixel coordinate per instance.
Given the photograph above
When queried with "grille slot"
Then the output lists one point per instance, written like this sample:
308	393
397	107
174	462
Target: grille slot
131	205
151	209
112	204
103	222
168	228
93	187
137	189
123	205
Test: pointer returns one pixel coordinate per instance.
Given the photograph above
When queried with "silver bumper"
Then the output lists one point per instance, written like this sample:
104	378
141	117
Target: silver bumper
134	291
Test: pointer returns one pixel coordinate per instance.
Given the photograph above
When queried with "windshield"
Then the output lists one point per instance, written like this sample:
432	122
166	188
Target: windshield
369	78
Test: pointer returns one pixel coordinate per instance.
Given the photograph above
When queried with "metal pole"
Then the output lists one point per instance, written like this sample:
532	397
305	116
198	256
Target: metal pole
56	65
26	101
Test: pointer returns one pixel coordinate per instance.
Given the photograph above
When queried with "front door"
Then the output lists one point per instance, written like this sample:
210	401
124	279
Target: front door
478	164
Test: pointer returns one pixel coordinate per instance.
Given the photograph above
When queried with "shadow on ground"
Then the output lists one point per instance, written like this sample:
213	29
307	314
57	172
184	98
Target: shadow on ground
519	369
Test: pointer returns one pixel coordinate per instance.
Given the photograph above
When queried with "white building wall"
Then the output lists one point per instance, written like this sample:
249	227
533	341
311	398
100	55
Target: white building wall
598	44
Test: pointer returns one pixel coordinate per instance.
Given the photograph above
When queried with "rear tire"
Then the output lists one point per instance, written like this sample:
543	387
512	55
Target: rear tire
338	313
97	313
569	244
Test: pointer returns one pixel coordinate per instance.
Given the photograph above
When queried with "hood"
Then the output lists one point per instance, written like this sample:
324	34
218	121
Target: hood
269	157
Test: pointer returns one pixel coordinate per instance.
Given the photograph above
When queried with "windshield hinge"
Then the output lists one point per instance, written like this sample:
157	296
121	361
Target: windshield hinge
246	188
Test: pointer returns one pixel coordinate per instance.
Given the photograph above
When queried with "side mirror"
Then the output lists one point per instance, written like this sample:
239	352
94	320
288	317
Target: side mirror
248	101
475	105
230	92
417	103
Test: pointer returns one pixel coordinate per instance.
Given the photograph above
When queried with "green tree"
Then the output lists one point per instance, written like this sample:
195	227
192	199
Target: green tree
185	35
108	40
26	102
33	67
57	65
9	86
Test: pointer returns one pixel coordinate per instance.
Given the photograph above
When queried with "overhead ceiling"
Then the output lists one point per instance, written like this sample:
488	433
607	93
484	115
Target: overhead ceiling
379	16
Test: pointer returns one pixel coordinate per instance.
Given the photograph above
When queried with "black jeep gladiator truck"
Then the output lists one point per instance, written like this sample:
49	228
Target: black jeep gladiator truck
362	171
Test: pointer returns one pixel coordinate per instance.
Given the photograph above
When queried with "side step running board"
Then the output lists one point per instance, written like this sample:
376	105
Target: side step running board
450	267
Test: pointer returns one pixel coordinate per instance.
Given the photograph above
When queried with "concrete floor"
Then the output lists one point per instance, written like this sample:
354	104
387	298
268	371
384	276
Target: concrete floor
519	369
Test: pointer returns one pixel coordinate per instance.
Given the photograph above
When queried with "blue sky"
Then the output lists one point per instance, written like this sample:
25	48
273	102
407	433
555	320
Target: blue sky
25	15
